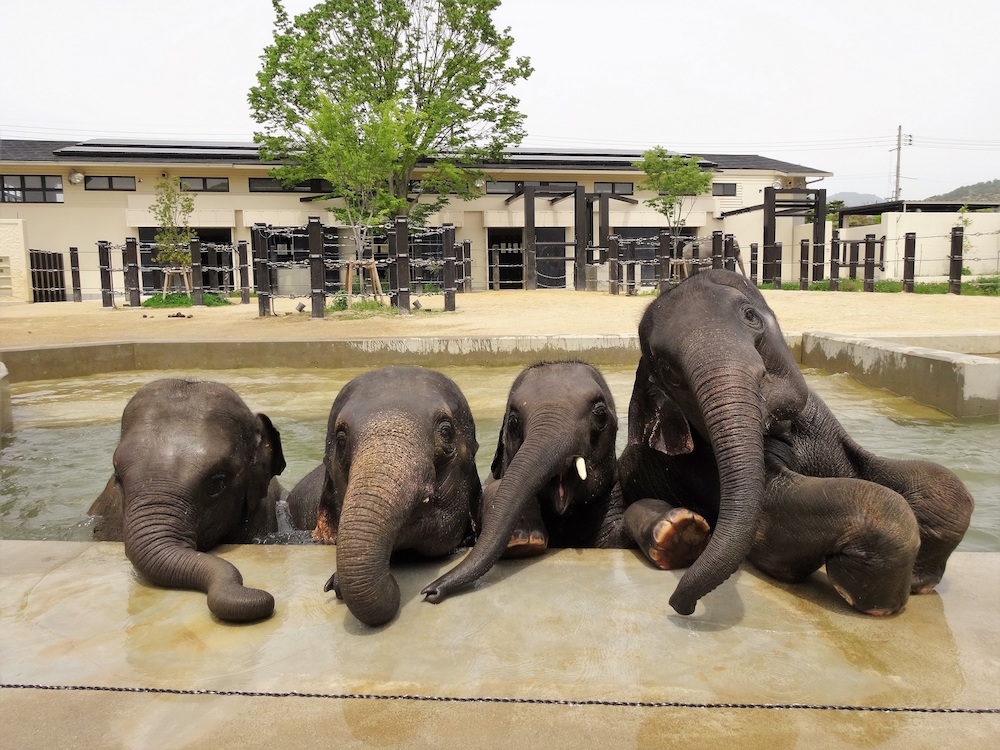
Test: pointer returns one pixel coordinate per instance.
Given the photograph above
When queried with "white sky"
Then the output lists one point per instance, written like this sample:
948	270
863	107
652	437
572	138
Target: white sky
819	84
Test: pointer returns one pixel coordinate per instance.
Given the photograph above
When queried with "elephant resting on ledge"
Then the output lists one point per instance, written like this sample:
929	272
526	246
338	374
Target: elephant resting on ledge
721	422
194	468
554	480
399	473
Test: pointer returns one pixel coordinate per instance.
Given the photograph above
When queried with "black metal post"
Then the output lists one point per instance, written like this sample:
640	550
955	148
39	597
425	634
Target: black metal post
869	284
753	263
835	261
74	272
496	268
818	262
819	234
467	260
212	257
630	275
803	264
695	258
776	254
855	254
317	268
262	276
130	260
580	246
402	266
448	255
955	264
909	260
614	264
530	252
604	225
717	242
663	254
197	285
104	260
241	252
770	230
729	252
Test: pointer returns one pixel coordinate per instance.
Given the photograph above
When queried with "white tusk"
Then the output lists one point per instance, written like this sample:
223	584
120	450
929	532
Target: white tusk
427	499
581	468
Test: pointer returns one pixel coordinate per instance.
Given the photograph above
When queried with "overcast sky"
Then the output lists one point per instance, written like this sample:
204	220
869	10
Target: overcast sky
820	84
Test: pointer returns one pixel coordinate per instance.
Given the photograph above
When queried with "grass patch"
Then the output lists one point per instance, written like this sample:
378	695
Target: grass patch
177	299
984	286
366	308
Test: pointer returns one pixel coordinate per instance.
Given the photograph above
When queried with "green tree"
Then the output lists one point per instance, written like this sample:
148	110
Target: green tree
172	211
674	178
406	82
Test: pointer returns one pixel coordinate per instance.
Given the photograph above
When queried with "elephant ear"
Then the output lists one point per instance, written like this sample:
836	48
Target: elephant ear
654	418
498	465
269	453
109	507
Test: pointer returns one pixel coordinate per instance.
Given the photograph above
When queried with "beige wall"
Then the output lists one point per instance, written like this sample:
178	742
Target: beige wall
15	277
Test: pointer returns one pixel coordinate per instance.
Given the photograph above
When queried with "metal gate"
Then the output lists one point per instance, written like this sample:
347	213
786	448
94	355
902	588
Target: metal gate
48	281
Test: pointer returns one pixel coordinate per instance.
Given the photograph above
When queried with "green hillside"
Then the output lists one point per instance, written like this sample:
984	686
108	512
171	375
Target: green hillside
982	192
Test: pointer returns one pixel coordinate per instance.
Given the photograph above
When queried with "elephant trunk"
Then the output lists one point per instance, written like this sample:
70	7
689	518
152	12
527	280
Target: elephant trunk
730	401
160	541
377	504
543	454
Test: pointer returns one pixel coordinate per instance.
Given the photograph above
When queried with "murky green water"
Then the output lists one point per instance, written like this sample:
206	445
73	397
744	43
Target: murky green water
58	459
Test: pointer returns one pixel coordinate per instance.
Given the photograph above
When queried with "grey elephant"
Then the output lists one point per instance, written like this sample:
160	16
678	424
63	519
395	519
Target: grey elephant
194	468
554	479
398	473
722	422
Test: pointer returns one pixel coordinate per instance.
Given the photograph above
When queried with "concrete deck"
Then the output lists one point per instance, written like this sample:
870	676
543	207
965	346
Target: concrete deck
576	649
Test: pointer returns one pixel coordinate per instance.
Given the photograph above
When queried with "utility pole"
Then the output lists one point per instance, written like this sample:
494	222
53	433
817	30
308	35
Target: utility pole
899	151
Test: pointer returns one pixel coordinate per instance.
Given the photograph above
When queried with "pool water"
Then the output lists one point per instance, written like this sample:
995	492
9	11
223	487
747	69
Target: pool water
58	459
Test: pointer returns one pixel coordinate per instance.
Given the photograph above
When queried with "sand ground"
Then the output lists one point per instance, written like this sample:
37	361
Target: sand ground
542	312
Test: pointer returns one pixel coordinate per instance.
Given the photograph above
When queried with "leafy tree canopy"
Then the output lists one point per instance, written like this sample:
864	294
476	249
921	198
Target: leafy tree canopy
358	92
673	177
172	210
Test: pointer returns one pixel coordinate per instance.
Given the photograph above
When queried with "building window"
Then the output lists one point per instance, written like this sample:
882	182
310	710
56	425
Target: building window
32	188
108	183
724	188
618	188
501	187
271	185
205	184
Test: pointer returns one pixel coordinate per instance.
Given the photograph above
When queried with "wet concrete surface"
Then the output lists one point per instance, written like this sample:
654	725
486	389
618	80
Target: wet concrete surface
575	649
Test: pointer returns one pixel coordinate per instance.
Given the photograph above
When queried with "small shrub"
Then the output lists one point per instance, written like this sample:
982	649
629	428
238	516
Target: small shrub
177	299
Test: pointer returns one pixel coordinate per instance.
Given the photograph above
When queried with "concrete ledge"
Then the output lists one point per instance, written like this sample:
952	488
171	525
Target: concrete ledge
577	648
963	385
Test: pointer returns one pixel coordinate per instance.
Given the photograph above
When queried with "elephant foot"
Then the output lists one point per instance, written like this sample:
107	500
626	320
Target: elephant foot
678	539
526	543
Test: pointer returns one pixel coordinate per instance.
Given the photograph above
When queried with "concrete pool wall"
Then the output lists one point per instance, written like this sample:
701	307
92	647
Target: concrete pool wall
936	370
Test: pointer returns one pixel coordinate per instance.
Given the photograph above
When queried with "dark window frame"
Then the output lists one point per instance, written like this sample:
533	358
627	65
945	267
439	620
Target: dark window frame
90	183
203	181
502	187
273	185
10	193
616	188
724	189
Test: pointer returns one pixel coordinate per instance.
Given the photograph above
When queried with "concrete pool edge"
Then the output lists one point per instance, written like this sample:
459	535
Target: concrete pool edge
945	377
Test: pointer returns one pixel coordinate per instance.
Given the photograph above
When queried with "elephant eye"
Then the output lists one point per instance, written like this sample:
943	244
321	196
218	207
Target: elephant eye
513	423
599	416
341	439
445	433
217	485
751	318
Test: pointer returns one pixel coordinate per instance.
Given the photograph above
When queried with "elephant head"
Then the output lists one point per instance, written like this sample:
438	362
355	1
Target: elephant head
556	447
715	365
399	473
193	469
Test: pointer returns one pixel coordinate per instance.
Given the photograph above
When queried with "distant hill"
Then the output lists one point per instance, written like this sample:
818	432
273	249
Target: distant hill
854	199
981	192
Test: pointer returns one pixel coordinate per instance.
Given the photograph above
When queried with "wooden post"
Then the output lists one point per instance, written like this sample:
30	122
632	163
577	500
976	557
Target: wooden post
770	231
104	260
467	265
909	260
448	255
212	253
955	264
695	258
581	231
835	261
130	260
818	262
819	234
630	280
728	252
74	272
317	269
241	252
402	238
869	284
753	263
262	276
197	288
717	249
604	225
496	268
663	255
855	253
614	263
804	264
528	242
776	254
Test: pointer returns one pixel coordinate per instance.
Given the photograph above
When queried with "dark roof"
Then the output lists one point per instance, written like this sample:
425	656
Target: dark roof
876	209
119	150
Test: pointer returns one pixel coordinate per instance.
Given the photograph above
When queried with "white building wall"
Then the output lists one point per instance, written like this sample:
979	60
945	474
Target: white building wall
15	273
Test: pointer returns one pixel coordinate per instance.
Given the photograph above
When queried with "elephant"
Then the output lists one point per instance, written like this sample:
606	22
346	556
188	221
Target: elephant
398	473
721	422
553	480
194	467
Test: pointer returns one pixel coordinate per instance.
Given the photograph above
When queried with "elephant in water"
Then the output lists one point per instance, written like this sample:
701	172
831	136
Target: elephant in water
399	473
722	422
194	468
554	480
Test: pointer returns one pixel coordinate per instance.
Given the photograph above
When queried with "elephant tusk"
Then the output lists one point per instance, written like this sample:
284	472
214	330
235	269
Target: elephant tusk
427	499
581	468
